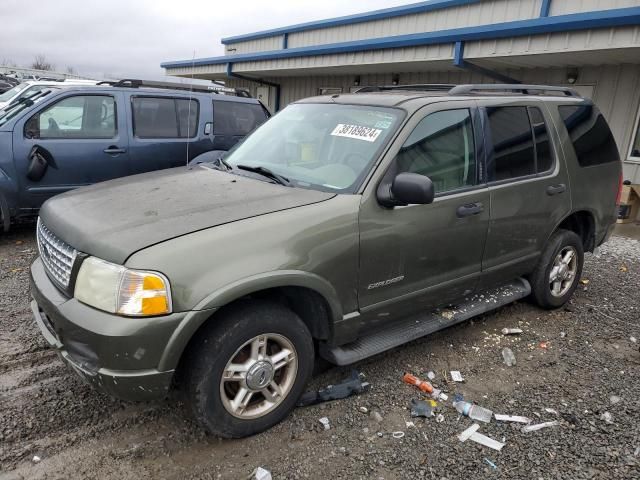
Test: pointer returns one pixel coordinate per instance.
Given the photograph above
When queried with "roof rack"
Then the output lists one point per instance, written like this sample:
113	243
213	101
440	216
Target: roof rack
514	88
426	87
218	89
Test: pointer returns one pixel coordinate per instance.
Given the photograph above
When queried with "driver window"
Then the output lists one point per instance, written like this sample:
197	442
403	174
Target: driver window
442	148
91	116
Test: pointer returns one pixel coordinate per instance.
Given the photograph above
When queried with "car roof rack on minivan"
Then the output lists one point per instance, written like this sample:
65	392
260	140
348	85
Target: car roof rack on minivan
426	87
509	89
136	83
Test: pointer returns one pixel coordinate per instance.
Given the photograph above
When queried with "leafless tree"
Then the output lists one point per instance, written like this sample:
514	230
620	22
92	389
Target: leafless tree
41	63
70	70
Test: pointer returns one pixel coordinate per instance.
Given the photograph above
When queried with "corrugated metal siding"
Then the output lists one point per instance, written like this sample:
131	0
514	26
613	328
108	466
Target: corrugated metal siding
198	71
486	12
562	7
252	46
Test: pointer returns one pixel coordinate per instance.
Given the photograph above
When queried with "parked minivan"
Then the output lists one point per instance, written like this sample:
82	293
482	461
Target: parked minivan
57	140
338	229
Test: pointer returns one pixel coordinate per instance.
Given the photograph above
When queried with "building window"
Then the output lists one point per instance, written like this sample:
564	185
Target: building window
329	90
634	153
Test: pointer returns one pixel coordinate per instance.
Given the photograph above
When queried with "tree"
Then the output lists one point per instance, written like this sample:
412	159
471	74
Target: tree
70	70
41	63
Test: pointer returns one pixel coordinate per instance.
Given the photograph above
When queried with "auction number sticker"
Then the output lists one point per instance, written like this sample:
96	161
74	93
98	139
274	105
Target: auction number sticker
357	132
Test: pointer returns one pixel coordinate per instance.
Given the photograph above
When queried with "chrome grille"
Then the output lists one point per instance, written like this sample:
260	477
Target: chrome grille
57	256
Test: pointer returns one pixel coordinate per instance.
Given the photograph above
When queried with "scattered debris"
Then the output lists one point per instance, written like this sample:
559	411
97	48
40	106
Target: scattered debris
420	408
260	474
431	375
466	435
551	410
490	463
36	459
363	409
354	385
544	345
474	412
563	334
606	416
397	435
440	418
512	418
486	441
633	339
637	452
539	426
325	423
511	331
410	424
614	399
624	269
584	281
508	357
456	376
376	416
425	386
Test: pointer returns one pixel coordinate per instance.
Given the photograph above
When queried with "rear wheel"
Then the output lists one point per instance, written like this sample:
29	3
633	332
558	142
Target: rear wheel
556	277
249	368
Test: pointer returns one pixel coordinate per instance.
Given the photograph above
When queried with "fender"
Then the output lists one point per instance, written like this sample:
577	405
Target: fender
255	283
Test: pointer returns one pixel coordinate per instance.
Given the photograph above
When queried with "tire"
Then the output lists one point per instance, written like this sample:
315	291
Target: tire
562	241
233	335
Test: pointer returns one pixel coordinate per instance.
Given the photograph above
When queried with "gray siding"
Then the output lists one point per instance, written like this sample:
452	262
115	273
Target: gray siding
562	7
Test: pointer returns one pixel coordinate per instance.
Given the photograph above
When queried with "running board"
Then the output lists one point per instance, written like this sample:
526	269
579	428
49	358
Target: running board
424	324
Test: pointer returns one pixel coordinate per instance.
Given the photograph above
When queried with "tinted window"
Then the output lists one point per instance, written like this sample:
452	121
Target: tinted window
75	117
441	147
157	117
513	152
591	137
235	118
544	158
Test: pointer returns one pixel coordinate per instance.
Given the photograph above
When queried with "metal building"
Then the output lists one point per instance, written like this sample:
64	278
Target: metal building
592	45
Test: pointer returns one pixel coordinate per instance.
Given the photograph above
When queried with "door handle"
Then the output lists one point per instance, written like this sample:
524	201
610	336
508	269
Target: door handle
556	189
469	209
113	150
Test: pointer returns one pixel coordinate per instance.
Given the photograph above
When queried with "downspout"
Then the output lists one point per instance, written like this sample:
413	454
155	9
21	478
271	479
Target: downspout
460	62
545	8
260	81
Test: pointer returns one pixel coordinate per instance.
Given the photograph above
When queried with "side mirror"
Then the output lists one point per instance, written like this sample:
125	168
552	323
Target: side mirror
408	189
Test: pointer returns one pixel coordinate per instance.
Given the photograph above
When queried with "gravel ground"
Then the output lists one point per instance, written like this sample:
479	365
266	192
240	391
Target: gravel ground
590	366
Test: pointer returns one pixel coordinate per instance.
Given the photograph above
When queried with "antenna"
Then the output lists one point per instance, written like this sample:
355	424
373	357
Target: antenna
193	64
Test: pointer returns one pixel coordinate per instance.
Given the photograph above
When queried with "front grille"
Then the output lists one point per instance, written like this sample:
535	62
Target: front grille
57	256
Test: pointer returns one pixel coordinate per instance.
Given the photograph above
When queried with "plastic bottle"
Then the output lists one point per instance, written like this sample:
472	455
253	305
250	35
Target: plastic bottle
474	412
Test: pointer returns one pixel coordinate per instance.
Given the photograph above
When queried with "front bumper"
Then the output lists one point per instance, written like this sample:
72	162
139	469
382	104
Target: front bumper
117	355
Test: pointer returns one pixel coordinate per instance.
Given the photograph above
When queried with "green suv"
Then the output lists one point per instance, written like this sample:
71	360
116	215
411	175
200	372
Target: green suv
344	226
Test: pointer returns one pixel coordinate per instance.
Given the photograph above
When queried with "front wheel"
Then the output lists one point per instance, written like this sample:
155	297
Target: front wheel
556	277
248	368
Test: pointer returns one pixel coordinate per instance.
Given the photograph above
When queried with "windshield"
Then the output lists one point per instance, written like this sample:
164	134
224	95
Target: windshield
14	108
9	94
328	147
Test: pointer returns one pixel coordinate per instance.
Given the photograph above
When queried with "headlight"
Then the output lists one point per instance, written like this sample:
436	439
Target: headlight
117	289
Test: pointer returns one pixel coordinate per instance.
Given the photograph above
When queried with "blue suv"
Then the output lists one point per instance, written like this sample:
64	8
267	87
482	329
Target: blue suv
58	140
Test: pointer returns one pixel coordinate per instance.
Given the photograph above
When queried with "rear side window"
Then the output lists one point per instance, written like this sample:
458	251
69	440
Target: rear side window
162	117
592	139
544	155
82	116
235	118
442	148
513	150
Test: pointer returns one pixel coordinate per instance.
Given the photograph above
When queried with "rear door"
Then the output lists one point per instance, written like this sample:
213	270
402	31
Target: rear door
166	131
83	138
233	120
528	186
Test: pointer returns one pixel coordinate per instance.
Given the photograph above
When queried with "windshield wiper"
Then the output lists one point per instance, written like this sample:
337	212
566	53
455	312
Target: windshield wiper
221	161
265	172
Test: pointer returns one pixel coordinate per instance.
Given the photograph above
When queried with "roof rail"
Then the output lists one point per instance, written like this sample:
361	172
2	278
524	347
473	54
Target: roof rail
218	89
514	88
426	87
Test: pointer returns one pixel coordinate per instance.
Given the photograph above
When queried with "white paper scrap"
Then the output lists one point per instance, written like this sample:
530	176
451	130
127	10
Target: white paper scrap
486	441
533	428
464	436
511	418
456	376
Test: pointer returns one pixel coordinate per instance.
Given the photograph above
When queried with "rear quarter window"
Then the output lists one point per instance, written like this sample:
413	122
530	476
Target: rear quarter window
590	135
235	118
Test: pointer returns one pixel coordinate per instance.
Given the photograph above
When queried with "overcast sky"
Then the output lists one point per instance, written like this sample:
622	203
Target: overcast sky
130	38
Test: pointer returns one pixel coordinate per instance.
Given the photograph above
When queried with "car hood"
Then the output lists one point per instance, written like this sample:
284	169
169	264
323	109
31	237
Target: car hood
113	220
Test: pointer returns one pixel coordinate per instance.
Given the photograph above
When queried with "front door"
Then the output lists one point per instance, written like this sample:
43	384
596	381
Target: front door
81	137
416	257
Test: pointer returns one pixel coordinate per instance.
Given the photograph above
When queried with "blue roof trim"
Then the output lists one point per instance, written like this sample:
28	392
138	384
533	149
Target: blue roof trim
350	19
545	8
561	23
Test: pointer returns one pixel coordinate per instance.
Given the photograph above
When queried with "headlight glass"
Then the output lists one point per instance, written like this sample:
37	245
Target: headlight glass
117	289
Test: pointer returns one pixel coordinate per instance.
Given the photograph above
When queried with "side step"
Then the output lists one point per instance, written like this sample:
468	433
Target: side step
424	324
